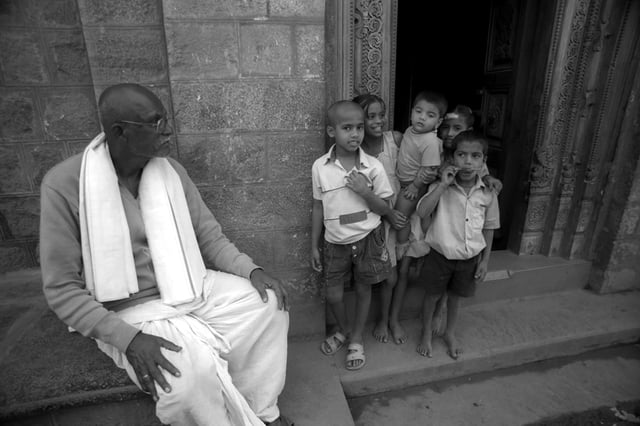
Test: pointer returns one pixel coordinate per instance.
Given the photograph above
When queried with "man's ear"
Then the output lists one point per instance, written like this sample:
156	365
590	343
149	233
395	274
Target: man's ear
331	131
116	129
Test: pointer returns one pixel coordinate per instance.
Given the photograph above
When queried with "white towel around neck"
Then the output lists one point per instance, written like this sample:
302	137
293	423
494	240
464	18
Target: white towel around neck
109	267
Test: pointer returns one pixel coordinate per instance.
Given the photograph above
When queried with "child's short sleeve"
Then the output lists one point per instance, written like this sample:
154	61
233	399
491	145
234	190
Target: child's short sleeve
492	215
315	182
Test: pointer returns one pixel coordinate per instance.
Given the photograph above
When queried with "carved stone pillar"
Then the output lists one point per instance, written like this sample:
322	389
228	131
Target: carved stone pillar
361	49
583	95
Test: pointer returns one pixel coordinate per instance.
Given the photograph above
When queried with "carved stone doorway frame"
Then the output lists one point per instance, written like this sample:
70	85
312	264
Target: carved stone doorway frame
361	50
571	83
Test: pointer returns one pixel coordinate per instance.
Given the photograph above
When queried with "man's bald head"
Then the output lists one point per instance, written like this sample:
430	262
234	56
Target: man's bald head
127	101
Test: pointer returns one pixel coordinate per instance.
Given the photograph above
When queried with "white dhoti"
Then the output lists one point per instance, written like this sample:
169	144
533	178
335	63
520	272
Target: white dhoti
233	357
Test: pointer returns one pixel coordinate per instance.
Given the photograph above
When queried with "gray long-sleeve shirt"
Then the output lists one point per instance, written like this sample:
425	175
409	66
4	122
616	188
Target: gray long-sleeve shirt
61	253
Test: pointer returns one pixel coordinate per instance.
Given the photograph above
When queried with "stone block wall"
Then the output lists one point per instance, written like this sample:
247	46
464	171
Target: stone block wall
47	109
243	80
247	83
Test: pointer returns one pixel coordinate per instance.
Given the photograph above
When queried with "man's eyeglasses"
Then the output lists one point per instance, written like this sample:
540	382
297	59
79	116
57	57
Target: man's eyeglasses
160	125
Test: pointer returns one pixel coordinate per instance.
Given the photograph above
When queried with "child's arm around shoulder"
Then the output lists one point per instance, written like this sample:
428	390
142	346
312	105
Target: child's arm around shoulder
428	203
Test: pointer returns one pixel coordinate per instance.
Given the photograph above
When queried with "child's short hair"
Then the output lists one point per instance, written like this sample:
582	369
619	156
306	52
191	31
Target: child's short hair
471	136
464	112
367	99
331	112
434	98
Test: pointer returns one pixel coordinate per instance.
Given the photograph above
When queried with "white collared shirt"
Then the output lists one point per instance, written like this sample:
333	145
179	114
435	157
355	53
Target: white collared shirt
329	186
459	218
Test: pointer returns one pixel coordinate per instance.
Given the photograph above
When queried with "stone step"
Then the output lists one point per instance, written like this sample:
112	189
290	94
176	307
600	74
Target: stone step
498	335
554	392
510	276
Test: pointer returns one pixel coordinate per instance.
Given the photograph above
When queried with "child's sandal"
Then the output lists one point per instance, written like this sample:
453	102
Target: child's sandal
355	352
333	343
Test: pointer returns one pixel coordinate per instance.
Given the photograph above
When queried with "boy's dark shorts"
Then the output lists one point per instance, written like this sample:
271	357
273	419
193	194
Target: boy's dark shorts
367	259
440	274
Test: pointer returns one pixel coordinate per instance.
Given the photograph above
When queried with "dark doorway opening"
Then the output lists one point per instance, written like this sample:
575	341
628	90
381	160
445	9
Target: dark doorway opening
443	46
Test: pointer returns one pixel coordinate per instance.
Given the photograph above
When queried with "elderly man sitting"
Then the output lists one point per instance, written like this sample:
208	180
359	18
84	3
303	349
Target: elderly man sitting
124	240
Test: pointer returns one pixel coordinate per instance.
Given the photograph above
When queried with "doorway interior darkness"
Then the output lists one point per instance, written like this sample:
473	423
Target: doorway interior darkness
441	46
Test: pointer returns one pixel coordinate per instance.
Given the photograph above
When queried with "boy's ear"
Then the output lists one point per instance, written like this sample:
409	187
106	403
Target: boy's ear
331	131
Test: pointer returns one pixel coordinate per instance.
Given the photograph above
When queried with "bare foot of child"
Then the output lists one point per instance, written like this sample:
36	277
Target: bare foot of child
439	322
381	332
424	347
453	350
397	332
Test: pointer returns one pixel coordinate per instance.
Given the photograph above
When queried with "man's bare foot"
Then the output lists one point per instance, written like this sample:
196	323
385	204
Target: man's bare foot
453	350
381	332
424	347
397	333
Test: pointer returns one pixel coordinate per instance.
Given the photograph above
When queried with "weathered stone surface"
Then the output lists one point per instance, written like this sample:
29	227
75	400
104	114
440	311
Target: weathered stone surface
291	248
12	178
224	158
257	245
13	13
70	113
14	257
261	206
53	13
120	12
203	9
206	107
310	50
76	147
629	221
18	115
124	55
291	155
304	286
69	56
200	51
307	8
530	243
21	57
39	158
265	49
621	279
21	215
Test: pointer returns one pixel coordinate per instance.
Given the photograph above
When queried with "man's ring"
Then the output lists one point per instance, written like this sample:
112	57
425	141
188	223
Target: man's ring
145	376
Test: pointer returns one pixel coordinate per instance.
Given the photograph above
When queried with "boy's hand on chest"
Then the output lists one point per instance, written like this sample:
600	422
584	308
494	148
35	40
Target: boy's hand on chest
358	182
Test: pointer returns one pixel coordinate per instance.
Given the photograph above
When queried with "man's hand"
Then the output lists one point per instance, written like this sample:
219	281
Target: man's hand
262	281
357	182
410	192
492	183
316	261
481	272
145	356
397	219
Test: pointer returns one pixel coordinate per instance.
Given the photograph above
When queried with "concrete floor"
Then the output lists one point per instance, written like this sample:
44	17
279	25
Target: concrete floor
510	397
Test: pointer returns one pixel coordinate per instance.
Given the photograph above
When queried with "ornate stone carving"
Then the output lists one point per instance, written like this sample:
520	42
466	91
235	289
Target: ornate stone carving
549	149
595	154
536	214
368	32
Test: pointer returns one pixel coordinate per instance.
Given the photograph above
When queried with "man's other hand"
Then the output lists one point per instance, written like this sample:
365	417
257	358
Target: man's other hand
145	357
263	281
